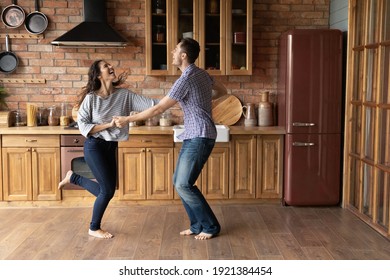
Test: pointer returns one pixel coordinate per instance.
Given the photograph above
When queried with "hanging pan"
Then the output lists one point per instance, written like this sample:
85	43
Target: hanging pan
13	15
8	60
36	22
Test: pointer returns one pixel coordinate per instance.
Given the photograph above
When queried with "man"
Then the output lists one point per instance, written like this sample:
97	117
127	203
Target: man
194	92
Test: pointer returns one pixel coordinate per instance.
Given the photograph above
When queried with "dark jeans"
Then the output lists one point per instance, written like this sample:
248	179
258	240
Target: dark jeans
100	155
192	157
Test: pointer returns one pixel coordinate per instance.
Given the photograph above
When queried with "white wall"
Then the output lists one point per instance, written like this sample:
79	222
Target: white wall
338	18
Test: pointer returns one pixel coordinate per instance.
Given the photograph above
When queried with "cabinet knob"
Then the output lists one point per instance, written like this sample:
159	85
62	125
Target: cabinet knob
31	140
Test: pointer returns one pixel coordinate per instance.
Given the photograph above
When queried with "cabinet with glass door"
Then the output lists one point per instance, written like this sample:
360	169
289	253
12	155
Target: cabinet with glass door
157	39
239	37
213	23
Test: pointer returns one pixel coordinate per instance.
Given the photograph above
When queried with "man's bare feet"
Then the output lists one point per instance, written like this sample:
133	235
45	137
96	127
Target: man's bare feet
100	234
66	180
186	232
204	236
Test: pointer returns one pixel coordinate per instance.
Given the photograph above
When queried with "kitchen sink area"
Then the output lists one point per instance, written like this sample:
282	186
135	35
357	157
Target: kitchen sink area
223	133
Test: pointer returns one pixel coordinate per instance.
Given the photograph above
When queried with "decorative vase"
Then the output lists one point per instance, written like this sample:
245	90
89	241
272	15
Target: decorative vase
265	110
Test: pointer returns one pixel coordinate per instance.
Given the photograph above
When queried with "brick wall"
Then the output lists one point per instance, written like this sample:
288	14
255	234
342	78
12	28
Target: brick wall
65	69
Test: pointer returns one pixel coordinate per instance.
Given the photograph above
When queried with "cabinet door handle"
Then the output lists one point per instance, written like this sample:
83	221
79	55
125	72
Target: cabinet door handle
146	141
74	151
303	124
302	144
31	140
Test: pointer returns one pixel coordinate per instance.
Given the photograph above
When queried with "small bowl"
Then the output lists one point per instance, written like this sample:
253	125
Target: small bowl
188	34
237	11
185	11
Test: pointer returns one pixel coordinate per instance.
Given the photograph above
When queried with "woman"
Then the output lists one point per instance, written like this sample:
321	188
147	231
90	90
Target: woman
99	101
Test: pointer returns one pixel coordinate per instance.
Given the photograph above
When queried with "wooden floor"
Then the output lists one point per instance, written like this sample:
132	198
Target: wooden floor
249	231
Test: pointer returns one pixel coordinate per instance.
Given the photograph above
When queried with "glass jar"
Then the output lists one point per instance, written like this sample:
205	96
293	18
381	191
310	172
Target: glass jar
19	118
151	121
166	118
133	123
213	7
160	6
53	118
42	116
64	118
160	34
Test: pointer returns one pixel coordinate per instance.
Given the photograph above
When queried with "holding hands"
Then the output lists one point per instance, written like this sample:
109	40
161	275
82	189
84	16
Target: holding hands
120	121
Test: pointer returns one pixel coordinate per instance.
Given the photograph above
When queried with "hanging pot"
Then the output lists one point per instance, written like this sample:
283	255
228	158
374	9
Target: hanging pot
13	15
8	60
36	22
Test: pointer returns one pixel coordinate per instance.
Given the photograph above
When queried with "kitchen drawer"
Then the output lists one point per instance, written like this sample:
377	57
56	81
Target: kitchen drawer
46	141
149	141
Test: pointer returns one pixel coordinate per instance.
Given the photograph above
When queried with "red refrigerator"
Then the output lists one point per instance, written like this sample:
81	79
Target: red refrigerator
310	107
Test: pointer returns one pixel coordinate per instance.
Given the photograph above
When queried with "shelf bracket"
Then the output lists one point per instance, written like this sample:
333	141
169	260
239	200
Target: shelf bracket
23	36
21	81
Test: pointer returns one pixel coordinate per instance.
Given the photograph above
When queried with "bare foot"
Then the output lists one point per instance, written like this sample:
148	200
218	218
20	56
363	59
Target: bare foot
204	236
66	180
100	234
186	232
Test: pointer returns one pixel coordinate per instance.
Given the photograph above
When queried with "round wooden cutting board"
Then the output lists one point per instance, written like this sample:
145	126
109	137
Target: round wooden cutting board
226	110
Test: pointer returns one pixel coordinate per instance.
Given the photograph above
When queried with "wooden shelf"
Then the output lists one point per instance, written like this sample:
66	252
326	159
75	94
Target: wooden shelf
23	36
22	81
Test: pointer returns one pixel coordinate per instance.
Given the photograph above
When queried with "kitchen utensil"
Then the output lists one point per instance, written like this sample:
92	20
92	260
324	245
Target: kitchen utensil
13	15
8	60
226	110
249	114
36	22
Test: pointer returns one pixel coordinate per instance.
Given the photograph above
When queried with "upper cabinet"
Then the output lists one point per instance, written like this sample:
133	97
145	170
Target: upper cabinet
223	29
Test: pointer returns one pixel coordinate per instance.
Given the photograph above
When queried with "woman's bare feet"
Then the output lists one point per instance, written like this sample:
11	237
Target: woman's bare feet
186	232
100	234
204	236
66	180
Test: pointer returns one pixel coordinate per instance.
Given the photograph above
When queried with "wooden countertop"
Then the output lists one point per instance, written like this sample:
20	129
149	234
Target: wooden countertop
136	130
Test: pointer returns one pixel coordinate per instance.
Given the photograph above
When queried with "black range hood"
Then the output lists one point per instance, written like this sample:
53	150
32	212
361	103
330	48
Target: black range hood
94	32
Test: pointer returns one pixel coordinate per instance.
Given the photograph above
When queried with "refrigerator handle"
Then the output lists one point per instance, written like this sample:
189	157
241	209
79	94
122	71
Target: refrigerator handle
302	144
303	124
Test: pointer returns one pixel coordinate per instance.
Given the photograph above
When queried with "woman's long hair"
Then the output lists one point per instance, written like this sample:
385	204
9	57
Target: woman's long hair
94	83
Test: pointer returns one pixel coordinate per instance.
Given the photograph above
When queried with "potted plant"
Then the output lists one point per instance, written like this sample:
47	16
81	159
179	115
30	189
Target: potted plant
3	96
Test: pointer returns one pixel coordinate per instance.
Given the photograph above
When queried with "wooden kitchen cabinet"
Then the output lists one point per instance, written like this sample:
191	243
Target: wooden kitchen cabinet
242	166
1	174
213	181
215	173
198	182
223	29
31	167
145	167
269	171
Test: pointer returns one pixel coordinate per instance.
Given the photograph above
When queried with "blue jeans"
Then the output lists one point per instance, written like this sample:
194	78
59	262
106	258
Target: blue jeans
100	155
192	157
